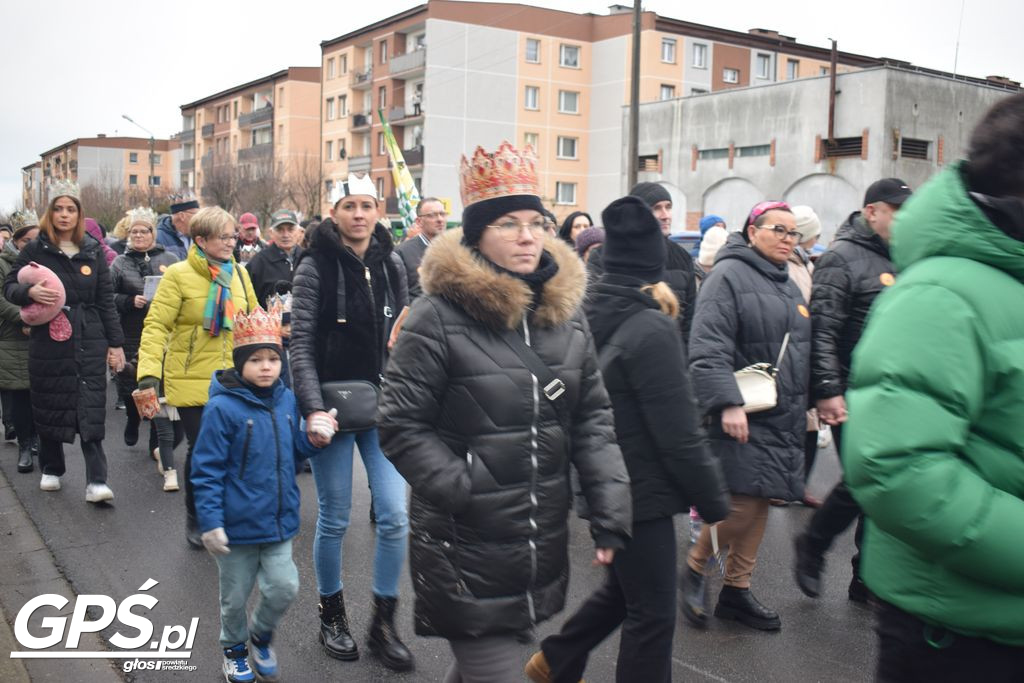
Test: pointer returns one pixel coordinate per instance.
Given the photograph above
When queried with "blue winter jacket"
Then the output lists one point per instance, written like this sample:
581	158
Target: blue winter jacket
243	463
171	239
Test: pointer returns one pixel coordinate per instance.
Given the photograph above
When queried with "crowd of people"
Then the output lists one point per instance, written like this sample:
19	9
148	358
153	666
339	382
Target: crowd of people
494	375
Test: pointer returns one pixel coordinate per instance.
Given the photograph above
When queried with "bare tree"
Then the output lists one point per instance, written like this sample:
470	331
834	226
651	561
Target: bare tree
305	182
261	188
220	187
103	197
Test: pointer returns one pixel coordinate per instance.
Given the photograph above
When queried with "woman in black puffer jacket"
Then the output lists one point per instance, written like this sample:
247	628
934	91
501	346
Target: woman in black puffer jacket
745	309
471	429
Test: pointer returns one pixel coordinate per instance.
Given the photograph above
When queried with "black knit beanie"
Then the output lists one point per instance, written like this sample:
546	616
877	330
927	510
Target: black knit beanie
633	243
477	216
651	193
242	353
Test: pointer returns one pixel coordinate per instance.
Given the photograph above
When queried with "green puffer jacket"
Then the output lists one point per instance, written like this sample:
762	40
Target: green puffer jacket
933	448
13	342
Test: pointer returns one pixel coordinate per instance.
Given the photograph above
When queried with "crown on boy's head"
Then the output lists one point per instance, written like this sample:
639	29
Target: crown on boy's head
258	327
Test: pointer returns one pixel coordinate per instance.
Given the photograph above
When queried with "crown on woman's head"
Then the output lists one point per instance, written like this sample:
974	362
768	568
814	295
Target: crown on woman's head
258	327
65	187
505	172
142	214
24	219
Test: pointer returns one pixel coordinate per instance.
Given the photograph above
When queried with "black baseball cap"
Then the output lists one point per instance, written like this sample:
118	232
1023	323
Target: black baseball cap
889	190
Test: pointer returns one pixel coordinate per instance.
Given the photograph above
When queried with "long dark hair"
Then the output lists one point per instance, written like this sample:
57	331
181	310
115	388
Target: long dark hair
565	232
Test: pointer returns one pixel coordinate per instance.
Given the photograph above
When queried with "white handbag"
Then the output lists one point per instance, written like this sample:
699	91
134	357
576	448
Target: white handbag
757	383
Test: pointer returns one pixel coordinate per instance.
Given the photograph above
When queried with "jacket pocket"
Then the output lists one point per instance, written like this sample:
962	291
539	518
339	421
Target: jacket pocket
245	448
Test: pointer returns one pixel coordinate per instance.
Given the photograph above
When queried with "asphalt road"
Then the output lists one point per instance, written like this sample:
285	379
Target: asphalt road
114	549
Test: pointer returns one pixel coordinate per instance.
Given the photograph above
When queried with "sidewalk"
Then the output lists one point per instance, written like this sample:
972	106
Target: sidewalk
27	569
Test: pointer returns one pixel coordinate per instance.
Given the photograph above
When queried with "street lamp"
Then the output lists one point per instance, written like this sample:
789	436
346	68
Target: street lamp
152	152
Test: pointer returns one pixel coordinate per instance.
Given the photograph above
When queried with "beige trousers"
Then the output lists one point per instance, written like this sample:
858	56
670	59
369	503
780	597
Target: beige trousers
742	532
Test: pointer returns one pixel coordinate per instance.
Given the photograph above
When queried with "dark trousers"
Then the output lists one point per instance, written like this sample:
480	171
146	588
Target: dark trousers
639	593
7	407
810	453
836	515
20	414
51	459
911	651
191	418
169	433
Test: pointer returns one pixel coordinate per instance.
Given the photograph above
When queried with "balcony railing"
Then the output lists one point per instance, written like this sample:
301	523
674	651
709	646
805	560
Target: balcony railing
360	120
208	130
413	157
256	152
207	160
187	135
254	117
396	114
409	63
361	79
356	164
187	165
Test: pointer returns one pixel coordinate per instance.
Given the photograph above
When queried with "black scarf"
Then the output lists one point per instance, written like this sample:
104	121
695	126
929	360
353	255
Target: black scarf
546	269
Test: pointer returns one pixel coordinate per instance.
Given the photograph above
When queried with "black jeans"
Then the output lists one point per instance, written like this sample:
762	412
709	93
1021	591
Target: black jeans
20	414
191	418
51	459
836	515
169	433
7	408
639	593
911	650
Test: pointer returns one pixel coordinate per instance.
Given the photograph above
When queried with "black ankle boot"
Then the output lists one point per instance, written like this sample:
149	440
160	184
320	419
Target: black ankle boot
809	565
741	605
334	631
131	433
694	598
25	456
383	639
192	535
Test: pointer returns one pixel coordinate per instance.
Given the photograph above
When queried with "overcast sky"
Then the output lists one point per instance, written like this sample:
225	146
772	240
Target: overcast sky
70	69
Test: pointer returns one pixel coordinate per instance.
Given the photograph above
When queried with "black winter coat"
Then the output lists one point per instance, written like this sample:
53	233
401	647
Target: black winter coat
411	253
68	380
128	273
657	420
269	267
339	324
464	421
847	278
745	307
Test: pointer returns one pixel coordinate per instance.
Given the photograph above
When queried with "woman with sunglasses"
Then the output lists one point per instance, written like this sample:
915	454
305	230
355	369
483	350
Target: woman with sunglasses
749	311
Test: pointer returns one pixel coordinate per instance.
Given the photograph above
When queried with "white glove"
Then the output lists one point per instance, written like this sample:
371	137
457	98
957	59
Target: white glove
324	426
216	541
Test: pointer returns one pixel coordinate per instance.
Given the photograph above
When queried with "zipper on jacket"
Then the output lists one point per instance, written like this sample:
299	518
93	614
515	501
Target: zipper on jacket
533	483
191	348
376	329
245	448
277	472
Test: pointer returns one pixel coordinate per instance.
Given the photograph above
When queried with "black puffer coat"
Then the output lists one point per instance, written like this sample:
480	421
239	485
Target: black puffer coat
847	278
13	342
68	380
271	266
129	272
745	307
324	349
657	420
466	424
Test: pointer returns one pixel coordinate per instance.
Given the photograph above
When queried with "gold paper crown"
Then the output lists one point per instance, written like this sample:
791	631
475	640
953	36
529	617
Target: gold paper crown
142	214
65	187
505	172
24	219
258	327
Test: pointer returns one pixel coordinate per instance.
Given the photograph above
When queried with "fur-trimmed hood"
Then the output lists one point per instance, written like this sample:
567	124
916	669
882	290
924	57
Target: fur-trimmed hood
453	271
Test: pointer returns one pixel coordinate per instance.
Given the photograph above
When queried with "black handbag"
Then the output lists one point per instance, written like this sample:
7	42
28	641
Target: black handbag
356	402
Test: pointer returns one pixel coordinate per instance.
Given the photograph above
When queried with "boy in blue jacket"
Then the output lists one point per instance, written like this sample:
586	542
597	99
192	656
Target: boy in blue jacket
247	502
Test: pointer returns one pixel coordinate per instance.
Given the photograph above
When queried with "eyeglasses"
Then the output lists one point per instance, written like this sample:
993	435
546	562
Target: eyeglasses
140	233
510	229
227	237
434	216
781	232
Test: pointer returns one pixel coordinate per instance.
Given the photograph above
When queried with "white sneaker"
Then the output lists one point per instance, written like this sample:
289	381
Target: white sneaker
170	480
49	482
98	493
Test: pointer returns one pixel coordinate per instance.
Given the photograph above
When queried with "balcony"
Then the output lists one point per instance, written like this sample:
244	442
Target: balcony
256	152
187	135
187	165
259	116
208	130
396	114
409	65
359	164
207	160
360	121
360	80
413	157
391	206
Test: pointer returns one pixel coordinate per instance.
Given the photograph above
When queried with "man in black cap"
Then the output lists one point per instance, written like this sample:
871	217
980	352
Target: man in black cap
847	278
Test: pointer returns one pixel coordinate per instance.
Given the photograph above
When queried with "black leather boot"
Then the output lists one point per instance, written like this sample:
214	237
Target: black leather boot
695	602
809	565
192	535
131	432
334	631
741	605
25	456
383	639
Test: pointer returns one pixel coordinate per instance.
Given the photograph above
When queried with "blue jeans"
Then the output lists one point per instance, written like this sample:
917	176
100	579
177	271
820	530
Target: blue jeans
332	472
271	566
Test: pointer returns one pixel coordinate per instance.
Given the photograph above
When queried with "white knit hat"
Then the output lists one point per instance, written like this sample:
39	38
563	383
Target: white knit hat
807	222
713	240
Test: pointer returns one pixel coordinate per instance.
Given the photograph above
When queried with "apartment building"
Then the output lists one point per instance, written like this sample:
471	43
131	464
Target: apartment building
453	75
106	161
33	192
272	120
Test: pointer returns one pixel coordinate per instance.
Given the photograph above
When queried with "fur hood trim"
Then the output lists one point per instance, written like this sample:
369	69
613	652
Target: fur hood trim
451	270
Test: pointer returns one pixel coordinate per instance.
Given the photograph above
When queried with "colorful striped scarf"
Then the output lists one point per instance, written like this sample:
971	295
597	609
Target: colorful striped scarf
220	310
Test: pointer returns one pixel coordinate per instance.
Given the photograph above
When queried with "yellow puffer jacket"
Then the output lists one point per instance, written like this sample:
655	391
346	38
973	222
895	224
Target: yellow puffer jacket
174	325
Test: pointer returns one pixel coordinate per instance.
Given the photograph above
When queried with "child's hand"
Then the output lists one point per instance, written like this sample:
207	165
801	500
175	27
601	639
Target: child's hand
216	541
321	427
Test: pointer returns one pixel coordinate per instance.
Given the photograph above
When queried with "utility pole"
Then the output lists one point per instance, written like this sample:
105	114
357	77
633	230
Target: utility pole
634	98
152	154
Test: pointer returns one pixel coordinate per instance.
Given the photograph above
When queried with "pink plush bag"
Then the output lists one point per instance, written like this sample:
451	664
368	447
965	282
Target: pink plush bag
40	314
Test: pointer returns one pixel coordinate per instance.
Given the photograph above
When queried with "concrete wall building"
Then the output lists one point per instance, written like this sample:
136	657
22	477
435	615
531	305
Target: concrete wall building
722	153
453	75
273	119
107	161
32	189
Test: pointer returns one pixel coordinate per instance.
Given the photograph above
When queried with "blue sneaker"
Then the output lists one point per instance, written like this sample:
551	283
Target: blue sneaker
264	660
236	665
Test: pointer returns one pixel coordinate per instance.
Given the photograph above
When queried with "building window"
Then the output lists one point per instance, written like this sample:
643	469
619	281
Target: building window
698	91
565	193
330	108
715	153
329	150
567	147
668	92
343	60
792	69
154	180
262	136
342	152
668	50
731	75
532	98
568	102
532	140
569	55
533	50
383	52
156	159
133	179
764	64
823	71
753	151
382	96
280	134
380	188
328	186
133	157
330	68
381	147
342	105
700	56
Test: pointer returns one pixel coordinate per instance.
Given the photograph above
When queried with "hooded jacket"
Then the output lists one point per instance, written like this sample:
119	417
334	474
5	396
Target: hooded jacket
13	341
243	464
467	425
68	379
932	449
746	306
847	278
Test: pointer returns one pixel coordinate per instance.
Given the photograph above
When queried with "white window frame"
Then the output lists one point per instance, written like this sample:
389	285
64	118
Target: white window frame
792	69
565	48
668	50
670	89
700	56
535	90
764	65
568	139
330	109
330	68
536	42
726	72
559	199
329	151
561	102
532	139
